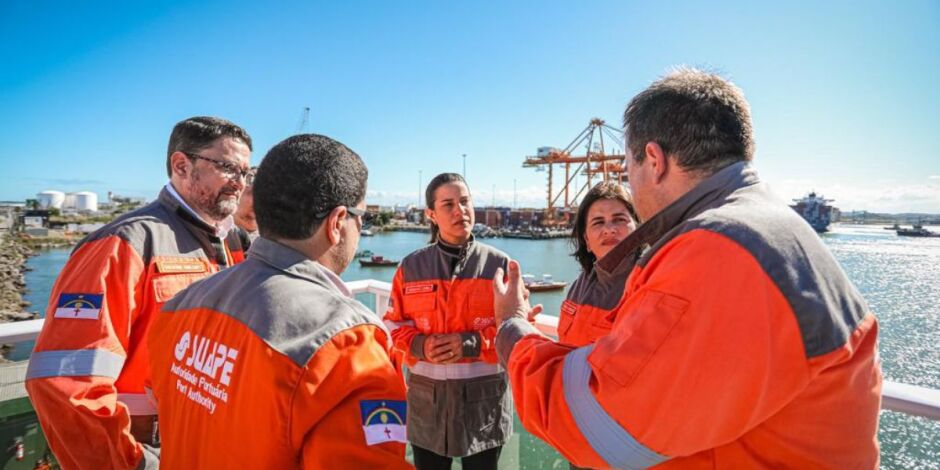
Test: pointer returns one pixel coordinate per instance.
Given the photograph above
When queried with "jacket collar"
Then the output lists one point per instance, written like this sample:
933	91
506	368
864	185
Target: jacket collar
703	196
296	264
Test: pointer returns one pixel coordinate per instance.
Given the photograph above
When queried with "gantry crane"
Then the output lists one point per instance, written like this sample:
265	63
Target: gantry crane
595	162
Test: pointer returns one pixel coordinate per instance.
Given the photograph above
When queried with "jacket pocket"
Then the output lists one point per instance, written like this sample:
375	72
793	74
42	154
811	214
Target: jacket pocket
602	323
637	337
482	389
566	317
424	414
168	285
481	302
487	412
412	303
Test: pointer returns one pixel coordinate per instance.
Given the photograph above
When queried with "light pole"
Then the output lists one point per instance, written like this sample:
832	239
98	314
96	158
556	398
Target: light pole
419	190
514	193
464	166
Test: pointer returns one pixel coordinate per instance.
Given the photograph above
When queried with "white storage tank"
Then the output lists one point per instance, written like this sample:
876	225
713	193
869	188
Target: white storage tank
51	199
86	201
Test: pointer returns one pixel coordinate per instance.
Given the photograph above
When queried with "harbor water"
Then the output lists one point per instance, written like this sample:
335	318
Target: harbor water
899	277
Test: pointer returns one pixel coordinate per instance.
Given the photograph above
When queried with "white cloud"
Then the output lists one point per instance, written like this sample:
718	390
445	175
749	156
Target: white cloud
934	177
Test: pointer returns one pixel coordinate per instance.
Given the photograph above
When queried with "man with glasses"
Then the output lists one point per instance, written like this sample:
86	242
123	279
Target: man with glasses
245	214
273	364
87	374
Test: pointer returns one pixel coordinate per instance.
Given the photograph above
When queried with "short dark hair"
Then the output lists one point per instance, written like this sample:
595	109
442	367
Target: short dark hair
429	196
698	117
604	190
196	133
301	178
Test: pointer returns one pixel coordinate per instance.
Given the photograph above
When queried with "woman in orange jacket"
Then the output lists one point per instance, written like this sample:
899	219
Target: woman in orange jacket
441	319
605	217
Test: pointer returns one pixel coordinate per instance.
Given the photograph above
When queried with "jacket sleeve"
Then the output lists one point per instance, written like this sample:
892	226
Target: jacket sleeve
408	342
349	384
81	351
704	320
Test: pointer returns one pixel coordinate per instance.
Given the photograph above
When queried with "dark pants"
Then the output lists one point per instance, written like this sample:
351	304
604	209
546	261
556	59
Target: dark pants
427	460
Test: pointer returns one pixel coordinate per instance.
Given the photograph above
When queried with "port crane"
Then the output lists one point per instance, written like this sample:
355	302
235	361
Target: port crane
598	138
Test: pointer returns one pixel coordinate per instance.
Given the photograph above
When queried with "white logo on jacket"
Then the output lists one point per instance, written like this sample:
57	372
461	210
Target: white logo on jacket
213	359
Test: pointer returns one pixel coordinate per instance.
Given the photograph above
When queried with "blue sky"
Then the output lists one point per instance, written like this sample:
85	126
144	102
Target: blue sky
844	95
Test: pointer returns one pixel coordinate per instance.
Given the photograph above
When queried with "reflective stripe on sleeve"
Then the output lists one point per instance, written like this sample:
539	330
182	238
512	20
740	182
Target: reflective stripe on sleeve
394	325
611	441
138	403
460	370
75	363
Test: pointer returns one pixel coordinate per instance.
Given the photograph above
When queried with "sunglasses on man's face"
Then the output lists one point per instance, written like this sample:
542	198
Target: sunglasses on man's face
367	217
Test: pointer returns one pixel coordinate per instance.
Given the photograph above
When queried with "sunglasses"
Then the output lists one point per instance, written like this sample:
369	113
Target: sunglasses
367	217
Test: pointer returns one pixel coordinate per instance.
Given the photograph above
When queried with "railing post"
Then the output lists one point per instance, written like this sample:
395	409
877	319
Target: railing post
381	303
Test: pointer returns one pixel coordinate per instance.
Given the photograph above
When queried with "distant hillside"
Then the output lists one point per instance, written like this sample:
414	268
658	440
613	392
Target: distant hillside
907	218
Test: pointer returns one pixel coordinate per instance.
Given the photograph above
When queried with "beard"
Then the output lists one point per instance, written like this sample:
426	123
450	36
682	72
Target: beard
218	204
340	255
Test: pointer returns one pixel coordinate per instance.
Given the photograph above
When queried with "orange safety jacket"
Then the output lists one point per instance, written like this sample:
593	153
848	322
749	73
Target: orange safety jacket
462	408
87	371
740	343
588	311
272	364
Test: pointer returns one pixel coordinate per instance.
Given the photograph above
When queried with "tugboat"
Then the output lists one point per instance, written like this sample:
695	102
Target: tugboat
377	262
546	284
815	209
917	230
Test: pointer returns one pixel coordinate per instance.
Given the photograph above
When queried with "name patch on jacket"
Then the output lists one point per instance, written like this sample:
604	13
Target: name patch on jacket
78	306
569	307
420	288
383	421
181	265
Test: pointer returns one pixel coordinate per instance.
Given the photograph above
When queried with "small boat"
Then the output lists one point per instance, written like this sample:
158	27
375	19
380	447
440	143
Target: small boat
366	232
365	254
893	227
916	231
377	262
546	284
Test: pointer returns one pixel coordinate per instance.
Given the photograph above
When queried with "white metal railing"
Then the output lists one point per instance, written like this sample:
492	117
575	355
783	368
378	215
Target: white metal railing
900	397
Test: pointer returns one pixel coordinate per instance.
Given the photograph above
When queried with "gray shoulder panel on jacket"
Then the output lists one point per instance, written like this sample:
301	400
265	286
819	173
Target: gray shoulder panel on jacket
293	315
826	304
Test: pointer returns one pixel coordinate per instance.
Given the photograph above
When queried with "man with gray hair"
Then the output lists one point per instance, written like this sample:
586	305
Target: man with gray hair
739	342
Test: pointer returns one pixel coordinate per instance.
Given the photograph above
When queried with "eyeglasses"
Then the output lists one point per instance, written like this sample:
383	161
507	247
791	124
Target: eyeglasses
366	216
228	170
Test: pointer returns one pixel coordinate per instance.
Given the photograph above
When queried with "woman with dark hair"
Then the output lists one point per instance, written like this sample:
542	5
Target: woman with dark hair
605	218
441	317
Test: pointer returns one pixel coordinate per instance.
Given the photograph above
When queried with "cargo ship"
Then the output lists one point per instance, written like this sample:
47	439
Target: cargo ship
816	210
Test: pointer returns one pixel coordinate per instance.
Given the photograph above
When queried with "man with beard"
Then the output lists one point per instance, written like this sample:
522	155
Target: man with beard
273	363
87	372
245	215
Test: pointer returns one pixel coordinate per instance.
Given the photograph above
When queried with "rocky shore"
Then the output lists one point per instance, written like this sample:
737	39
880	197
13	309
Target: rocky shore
13	255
